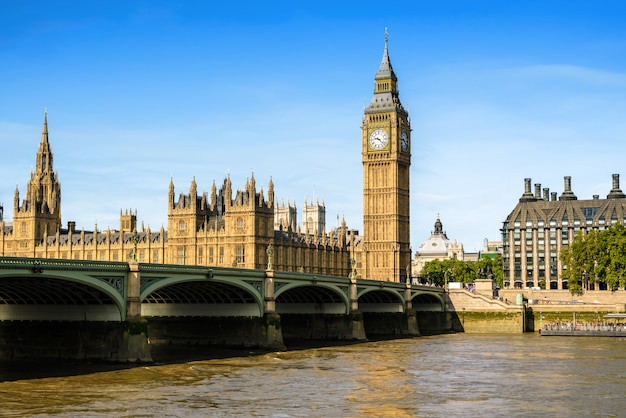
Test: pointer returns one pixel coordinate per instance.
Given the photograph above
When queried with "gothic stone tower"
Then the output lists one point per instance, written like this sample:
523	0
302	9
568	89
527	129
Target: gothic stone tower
386	156
39	214
221	229
314	217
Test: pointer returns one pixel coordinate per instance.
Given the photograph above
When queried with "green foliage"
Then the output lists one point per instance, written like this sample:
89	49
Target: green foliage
598	257
440	272
497	267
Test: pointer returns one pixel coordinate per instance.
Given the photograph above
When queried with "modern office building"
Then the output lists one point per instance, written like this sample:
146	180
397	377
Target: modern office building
541	225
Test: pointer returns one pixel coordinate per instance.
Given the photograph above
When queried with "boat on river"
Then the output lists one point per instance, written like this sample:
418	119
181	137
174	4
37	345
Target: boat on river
573	329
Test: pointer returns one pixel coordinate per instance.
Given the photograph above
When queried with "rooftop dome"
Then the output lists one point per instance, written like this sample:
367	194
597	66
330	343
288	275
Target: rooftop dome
437	243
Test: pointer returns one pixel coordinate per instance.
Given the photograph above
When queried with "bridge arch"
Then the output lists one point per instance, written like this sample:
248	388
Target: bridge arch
200	295
381	300
427	301
311	298
62	296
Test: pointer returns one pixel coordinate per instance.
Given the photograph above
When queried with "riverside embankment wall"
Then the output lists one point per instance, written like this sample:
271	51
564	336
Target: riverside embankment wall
479	314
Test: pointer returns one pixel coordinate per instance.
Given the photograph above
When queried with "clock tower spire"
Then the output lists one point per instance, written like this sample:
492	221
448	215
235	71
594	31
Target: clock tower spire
386	158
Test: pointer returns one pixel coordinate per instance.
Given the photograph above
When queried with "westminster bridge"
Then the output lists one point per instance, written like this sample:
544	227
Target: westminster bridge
129	311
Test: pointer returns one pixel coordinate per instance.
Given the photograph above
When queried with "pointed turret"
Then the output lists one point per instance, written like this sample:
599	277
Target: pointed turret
170	195
16	200
193	189
213	195
386	94
270	194
228	191
40	209
252	189
343	232
385	71
44	155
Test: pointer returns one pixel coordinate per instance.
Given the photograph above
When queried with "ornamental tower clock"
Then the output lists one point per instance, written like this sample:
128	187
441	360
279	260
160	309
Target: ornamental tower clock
386	156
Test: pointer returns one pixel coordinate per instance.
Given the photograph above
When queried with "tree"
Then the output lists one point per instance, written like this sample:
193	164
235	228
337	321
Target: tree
579	261
598	256
613	256
497	267
440	272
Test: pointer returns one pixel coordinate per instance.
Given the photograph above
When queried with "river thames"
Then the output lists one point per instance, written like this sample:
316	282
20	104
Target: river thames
438	376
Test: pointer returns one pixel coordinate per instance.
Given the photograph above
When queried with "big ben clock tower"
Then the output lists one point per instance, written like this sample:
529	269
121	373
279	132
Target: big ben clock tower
386	155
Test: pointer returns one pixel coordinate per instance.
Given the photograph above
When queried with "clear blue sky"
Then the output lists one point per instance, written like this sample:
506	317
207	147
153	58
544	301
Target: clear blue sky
139	92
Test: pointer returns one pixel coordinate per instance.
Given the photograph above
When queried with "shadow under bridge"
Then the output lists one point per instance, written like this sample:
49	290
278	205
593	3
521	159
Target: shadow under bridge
192	291
62	290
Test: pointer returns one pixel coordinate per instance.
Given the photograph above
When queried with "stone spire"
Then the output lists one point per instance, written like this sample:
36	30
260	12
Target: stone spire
213	195
270	194
44	190
170	195
386	94
41	207
385	71
193	190
44	154
228	191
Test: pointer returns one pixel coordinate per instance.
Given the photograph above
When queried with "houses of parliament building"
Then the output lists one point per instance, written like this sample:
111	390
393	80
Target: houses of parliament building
240	228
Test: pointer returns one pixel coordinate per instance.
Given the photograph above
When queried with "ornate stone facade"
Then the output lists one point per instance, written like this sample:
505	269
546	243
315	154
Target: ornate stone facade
224	229
237	228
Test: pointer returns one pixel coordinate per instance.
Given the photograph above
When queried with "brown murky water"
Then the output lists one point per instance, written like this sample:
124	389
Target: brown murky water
451	375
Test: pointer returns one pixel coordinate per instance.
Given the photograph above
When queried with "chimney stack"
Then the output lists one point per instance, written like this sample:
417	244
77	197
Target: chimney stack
616	192
567	193
528	195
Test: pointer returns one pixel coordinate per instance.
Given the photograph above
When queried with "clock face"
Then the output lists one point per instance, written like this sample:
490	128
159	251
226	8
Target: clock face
379	139
404	141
